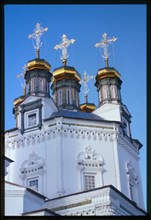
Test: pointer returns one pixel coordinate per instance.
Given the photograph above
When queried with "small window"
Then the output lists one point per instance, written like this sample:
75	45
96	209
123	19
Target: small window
32	120
89	181
105	92
68	96
113	91
131	187
33	183
125	127
60	97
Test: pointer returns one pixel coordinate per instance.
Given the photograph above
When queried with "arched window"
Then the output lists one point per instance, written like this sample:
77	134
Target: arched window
112	89
32	85
100	95
104	92
68	96
59	97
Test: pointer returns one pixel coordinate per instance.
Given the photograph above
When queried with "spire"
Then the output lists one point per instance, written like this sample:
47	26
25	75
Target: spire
85	81
38	32
104	44
63	46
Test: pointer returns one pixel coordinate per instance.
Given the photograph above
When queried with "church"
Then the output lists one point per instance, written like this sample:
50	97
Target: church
66	158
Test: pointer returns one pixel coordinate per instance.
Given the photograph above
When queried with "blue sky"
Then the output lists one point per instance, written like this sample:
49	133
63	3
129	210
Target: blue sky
86	24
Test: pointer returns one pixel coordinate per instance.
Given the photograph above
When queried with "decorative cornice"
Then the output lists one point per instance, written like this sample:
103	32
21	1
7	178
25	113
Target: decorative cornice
89	132
64	131
33	165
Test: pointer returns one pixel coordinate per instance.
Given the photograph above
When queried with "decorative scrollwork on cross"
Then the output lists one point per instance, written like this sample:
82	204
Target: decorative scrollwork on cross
85	81
38	32
104	44
63	46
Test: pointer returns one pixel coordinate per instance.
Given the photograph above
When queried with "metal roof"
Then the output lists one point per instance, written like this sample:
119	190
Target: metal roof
76	115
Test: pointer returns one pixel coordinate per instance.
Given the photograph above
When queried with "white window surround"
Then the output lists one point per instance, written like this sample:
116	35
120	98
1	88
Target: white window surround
29	119
33	168
132	180
105	92
91	163
112	88
33	84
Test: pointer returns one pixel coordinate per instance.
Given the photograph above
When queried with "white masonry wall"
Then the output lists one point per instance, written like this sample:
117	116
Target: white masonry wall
60	144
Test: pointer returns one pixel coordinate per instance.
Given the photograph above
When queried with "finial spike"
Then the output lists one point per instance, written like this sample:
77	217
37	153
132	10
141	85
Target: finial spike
63	46
38	32
104	44
85	81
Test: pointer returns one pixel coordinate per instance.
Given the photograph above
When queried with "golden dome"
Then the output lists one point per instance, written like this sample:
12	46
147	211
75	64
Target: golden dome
108	72
19	100
87	107
65	72
38	64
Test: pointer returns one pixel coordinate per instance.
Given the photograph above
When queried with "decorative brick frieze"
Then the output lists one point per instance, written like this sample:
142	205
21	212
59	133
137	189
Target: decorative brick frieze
78	132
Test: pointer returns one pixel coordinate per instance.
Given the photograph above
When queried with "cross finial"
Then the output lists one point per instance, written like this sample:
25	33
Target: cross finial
104	44
23	84
85	81
38	32
63	46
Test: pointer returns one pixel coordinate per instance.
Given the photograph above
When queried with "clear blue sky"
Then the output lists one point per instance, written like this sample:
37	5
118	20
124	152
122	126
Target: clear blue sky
86	24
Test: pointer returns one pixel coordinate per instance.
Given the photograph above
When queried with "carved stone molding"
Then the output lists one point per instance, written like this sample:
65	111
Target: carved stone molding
33	165
40	137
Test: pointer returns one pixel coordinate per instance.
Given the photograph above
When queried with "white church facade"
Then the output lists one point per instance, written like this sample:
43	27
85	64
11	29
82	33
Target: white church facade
67	158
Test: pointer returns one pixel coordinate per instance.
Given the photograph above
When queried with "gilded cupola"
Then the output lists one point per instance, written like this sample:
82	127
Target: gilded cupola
38	74
66	80
108	80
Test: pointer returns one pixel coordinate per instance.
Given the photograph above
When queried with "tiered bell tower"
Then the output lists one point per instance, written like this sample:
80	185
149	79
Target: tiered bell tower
66	81
37	75
108	85
31	108
108	80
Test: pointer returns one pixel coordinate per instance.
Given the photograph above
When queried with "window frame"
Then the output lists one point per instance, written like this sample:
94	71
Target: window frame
29	113
33	179
89	174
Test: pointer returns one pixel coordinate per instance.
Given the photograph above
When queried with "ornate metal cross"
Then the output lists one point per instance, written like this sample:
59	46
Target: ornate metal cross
104	44
63	46
38	32
23	84
85	81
